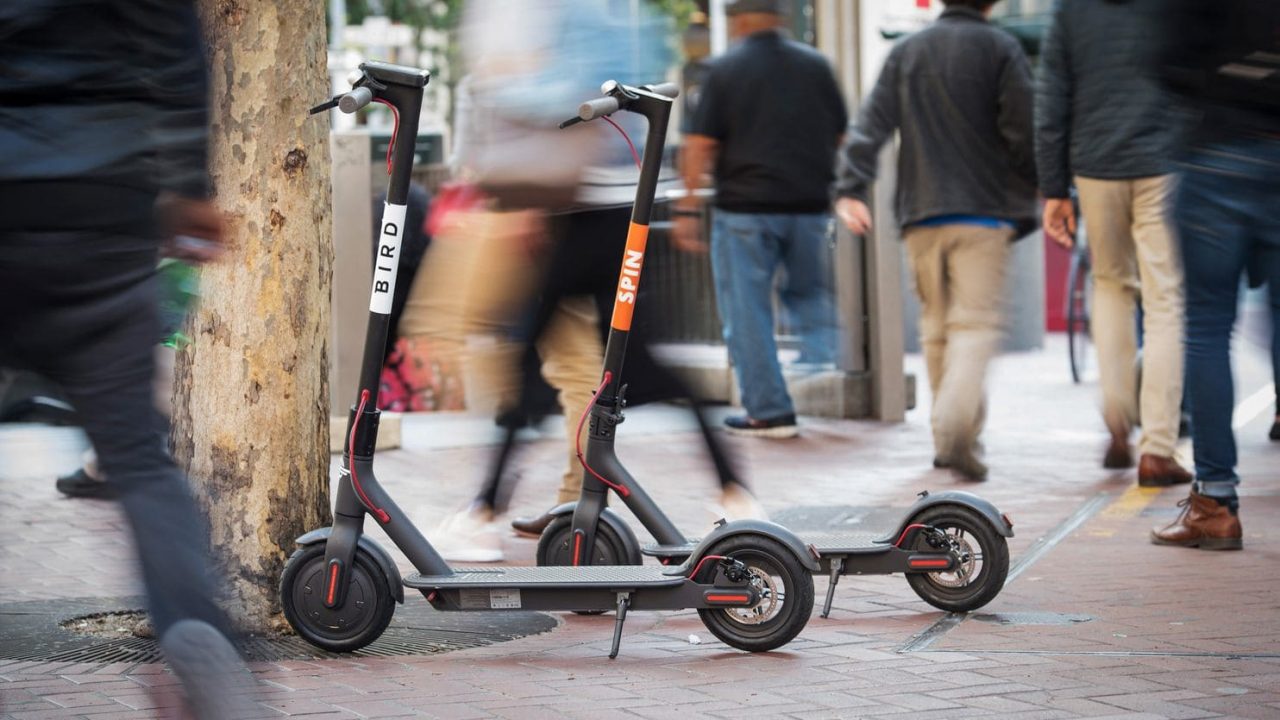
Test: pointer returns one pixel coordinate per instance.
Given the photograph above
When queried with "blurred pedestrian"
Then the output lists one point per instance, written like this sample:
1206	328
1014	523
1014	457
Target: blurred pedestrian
1103	121
103	114
767	125
399	387
959	94
1222	58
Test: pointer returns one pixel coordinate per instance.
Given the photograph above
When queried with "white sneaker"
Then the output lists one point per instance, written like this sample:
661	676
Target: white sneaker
468	536
737	503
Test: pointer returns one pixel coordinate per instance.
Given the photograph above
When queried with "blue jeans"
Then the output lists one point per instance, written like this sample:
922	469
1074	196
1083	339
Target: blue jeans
746	251
1228	216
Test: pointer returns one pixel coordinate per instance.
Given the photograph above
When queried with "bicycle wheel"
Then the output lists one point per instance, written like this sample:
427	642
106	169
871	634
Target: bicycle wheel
1079	304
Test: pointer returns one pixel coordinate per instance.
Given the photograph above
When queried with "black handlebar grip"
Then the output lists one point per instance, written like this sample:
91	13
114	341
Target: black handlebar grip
592	109
670	90
355	100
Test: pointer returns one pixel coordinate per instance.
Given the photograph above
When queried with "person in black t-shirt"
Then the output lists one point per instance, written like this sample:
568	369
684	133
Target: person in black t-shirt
769	121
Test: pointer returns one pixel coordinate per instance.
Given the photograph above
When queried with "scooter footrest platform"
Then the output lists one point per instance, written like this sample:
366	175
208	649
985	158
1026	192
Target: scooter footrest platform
656	550
846	543
590	576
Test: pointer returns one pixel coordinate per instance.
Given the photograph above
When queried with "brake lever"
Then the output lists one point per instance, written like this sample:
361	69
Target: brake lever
571	121
328	105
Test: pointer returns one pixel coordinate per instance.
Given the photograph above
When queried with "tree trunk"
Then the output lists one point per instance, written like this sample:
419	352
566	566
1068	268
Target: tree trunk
251	415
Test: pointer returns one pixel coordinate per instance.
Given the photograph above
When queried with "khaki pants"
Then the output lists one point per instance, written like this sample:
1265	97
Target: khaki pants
476	279
1135	255
959	273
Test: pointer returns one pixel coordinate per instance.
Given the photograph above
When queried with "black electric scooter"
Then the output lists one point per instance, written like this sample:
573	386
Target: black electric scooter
950	545
749	581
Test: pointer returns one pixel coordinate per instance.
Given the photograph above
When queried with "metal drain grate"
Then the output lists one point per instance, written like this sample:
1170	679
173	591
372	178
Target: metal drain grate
33	631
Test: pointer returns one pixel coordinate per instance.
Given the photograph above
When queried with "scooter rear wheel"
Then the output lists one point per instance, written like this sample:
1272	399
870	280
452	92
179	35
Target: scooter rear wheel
983	567
359	621
786	590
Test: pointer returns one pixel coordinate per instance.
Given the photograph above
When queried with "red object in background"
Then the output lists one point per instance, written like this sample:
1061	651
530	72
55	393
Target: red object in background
451	198
1057	264
923	4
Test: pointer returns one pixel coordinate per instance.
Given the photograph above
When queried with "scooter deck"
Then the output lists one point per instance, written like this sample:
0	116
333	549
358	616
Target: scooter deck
847	543
613	577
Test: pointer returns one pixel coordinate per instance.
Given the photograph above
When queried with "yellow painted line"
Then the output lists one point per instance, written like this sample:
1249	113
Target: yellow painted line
1131	503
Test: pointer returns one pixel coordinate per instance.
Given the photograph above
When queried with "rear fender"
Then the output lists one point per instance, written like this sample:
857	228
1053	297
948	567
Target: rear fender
806	555
952	497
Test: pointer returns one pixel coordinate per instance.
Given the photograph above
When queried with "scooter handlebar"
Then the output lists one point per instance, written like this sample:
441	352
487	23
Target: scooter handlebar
670	90
599	107
355	100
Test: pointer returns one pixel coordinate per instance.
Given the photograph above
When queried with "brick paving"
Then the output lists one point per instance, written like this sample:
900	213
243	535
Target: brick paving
1102	624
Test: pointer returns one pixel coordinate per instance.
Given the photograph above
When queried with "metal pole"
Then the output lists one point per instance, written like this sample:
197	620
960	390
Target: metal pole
719	27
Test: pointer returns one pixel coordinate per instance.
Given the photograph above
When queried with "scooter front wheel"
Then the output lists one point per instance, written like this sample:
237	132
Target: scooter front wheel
983	557
785	588
555	547
361	618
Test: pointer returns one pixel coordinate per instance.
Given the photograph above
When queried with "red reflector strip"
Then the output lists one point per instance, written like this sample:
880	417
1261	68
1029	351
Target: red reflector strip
577	546
729	598
929	563
333	583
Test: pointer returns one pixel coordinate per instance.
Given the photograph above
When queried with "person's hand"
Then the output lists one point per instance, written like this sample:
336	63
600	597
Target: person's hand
192	228
686	234
854	214
1059	221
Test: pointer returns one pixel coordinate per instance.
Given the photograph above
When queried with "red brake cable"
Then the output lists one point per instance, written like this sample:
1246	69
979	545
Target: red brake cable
907	529
620	489
395	130
632	146
378	512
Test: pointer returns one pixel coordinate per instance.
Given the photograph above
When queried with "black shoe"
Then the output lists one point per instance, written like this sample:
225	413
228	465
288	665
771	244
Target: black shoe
79	485
780	427
532	527
1275	429
217	683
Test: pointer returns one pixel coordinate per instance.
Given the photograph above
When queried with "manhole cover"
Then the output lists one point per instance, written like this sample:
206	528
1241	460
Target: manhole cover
33	631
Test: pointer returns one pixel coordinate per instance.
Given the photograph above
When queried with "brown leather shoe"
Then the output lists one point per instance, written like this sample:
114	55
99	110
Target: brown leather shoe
1204	524
1156	471
532	527
1119	456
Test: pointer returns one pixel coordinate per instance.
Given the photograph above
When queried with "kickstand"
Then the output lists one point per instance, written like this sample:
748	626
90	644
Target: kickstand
837	565
624	602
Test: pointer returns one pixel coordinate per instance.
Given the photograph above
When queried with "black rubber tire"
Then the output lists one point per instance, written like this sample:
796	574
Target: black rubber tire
361	619
555	548
555	545
1079	302
776	560
989	580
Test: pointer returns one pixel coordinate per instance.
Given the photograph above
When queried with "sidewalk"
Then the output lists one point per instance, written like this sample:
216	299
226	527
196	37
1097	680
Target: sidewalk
1094	621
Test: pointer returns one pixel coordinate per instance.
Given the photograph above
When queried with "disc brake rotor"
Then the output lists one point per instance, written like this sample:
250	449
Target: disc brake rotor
766	607
967	558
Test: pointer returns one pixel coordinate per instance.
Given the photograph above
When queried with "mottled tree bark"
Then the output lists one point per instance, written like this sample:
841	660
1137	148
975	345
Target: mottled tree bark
251	416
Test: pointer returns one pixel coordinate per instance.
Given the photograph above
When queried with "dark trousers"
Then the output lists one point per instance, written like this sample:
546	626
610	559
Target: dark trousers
1228	217
585	259
80	307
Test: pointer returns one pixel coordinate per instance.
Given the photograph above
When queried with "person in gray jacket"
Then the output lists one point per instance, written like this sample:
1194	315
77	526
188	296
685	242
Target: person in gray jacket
959	94
1103	120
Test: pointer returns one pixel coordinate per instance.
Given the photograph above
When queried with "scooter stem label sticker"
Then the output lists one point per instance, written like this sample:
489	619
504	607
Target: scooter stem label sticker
387	259
624	303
